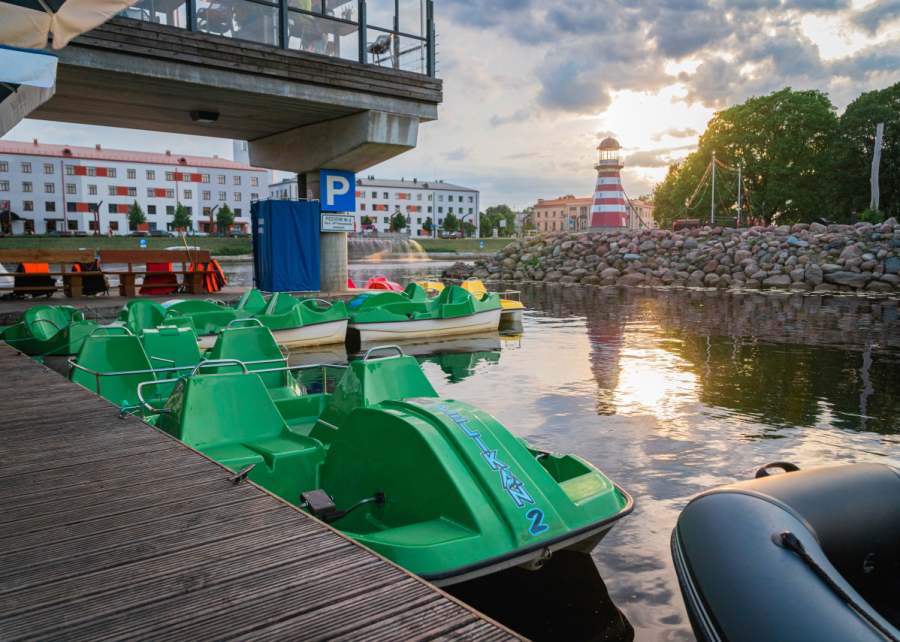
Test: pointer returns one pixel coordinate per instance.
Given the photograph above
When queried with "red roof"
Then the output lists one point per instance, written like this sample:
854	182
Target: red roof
564	201
125	156
610	143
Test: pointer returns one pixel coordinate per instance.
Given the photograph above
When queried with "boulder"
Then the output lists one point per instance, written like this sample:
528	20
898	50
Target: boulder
481	273
631	257
777	281
813	274
817	228
691	243
831	268
892	279
892	265
753	284
646	246
551	277
878	286
797	275
711	280
851	252
802	287
591	279
850	279
631	279
825	287
610	273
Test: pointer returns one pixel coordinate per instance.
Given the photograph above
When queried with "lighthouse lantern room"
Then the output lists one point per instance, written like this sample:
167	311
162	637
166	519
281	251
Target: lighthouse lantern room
609	206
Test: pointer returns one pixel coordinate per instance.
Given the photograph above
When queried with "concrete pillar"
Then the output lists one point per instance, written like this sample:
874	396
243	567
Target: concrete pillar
332	245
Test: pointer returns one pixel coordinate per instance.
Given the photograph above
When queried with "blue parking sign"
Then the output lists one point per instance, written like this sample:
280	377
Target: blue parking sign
338	190
143	242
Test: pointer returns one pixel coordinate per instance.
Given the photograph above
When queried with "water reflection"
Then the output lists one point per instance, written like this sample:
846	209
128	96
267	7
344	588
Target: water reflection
565	600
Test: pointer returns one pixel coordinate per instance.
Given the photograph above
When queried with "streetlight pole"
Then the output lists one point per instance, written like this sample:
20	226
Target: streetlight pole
212	211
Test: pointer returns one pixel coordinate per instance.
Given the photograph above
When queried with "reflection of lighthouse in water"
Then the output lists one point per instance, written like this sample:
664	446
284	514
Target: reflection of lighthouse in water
609	209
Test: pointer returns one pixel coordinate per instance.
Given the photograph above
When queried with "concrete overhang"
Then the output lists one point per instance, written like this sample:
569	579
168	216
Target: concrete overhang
147	76
352	143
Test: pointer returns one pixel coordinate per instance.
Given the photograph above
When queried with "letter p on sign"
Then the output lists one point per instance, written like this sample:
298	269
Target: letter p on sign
337	195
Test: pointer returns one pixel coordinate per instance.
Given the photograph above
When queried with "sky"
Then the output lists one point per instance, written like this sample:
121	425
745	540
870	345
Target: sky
530	87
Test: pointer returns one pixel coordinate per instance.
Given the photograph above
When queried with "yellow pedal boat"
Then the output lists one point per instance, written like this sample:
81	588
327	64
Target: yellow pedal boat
512	308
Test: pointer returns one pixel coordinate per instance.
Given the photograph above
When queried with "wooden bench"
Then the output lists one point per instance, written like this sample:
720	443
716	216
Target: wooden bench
192	280
72	281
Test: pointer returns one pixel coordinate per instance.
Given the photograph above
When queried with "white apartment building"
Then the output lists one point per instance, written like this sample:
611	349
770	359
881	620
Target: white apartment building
379	199
60	187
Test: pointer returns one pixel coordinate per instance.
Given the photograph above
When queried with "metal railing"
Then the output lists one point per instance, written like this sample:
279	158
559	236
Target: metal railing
400	34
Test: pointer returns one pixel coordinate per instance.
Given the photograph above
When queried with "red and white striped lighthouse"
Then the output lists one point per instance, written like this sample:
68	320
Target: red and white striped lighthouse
609	208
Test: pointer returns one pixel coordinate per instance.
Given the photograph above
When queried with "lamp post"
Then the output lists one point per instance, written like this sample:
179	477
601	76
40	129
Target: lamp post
212	211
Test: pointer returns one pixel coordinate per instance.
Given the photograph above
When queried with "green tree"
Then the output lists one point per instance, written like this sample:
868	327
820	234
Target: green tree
398	222
135	216
181	219
469	229
784	142
428	225
562	198
451	223
855	146
366	221
498	212
224	218
665	209
485	225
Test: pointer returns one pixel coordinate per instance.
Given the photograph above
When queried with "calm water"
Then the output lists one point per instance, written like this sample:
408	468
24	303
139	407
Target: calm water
669	393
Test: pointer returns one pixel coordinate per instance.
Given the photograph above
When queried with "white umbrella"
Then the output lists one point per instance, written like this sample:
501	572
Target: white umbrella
27	79
27	23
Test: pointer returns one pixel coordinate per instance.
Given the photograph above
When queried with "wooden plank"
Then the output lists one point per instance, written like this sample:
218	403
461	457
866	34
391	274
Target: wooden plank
39	255
154	256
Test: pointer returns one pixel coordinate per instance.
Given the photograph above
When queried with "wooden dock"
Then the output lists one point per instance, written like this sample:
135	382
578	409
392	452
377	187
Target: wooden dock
111	529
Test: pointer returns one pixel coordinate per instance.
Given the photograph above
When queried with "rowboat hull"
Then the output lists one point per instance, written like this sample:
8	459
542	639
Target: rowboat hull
420	328
308	335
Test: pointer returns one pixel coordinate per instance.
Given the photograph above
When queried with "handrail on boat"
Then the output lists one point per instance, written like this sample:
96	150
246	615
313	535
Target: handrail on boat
376	349
217	302
111	327
330	303
45	321
218	362
258	322
171	311
508	293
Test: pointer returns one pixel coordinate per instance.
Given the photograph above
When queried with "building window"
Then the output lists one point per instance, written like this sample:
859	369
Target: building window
237	180
374	194
206	212
151	209
73	224
470	210
470	199
132	173
26	187
50	206
4	166
387	220
151	175
70	188
449	210
114	226
110	172
189	210
440	210
28	206
132	191
385	196
151	192
429	209
4	186
440	221
170	176
221	196
70	170
419	197
170	193
48	168
254	196
254	181
440	197
49	188
418	221
237	196
362	206
112	190
170	210
26	168
237	211
92	225
92	190
206	195
113	208
91	171
221	179
204	178
188	193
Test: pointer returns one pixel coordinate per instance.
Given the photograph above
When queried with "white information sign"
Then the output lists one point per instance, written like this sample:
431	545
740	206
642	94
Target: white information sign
337	223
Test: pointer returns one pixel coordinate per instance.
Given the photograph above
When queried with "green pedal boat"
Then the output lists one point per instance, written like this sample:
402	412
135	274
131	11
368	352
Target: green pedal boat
55	333
411	314
435	485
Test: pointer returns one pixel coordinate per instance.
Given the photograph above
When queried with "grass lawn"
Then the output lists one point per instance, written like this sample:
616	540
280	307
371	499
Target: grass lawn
463	245
216	246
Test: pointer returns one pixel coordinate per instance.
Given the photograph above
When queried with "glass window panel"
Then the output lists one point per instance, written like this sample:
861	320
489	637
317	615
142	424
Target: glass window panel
323	36
380	13
399	52
345	9
412	17
255	22
166	12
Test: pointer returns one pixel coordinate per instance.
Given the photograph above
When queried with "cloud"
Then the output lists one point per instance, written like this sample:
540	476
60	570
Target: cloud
459	154
657	157
877	15
519	116
674	132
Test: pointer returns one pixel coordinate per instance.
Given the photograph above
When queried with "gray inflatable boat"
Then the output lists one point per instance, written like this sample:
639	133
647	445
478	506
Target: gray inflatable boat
805	555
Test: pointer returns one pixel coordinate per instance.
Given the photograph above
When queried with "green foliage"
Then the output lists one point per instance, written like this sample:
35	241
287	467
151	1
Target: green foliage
366	220
224	218
135	216
428	225
451	223
784	141
490	219
181	219
665	209
855	147
469	229
871	216
398	222
562	198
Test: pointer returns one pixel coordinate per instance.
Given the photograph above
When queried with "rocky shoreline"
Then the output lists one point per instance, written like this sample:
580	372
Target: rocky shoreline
802	257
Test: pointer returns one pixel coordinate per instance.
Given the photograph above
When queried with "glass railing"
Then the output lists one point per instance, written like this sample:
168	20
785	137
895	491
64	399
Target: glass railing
398	34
